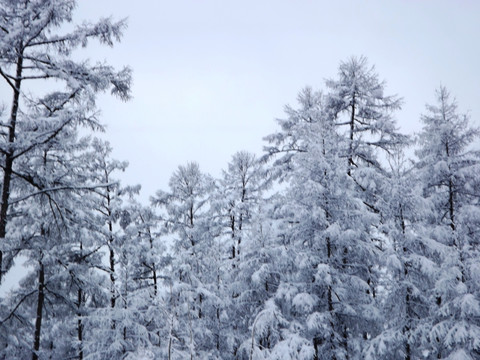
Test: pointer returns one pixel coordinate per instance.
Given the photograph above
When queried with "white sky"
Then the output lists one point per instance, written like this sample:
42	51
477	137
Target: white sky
210	76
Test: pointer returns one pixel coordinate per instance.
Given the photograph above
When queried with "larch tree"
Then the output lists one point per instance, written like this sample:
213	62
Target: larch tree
234	209
112	320
449	168
192	295
363	114
53	225
408	266
33	48
324	292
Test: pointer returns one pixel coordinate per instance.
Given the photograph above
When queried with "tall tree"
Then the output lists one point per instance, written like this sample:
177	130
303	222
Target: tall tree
115	324
234	210
449	168
192	296
32	48
408	264
53	224
357	102
325	288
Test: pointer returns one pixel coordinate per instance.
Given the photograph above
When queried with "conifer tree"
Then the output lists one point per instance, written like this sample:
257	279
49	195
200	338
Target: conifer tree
192	295
408	265
449	169
54	224
32	48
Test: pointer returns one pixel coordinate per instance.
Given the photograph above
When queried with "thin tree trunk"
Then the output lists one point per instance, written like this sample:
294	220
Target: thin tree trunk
79	323
110	242
407	327
345	341
408	310
112	277
451	205
38	320
330	308
352	129
154	267
8	169
79	315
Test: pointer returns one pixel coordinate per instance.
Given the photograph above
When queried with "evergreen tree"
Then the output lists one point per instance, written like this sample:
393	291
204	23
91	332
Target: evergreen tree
234	211
115	326
32	48
408	265
192	295
325	292
449	169
53	223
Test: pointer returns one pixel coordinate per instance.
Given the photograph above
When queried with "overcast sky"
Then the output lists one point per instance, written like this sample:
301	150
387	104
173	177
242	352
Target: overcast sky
210	77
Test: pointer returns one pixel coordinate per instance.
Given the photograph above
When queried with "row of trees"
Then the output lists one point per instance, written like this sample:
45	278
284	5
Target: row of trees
332	245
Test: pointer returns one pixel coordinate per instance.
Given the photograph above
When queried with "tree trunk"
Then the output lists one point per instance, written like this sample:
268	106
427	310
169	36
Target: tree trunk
112	253
408	309
407	328
352	129
345	341
80	324
38	320
451	205
8	170
316	342
112	277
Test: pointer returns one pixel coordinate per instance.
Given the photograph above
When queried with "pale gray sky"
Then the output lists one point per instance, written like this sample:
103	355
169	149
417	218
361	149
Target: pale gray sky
211	76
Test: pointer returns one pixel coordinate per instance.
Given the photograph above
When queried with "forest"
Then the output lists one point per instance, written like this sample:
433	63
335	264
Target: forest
344	239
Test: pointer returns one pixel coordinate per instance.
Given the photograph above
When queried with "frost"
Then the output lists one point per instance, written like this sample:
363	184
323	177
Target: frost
469	306
304	302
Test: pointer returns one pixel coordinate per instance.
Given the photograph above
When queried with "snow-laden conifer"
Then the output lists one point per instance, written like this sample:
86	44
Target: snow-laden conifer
449	168
33	47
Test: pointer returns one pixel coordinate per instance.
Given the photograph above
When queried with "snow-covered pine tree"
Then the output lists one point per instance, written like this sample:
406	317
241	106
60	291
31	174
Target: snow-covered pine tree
449	168
234	208
114	326
294	130
145	265
363	114
409	269
327	229
52	230
359	106
33	48
193	283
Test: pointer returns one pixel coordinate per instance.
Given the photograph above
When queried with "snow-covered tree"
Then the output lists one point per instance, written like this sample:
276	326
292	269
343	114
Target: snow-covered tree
358	104
295	129
233	211
192	295
409	269
449	168
115	325
241	189
53	231
33	48
146	265
325	290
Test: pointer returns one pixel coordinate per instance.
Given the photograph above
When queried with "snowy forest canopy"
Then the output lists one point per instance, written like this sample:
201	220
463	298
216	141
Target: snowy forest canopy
333	244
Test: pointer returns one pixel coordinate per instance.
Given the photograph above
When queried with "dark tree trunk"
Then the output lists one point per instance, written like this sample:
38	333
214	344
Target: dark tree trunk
352	129
345	341
79	323
316	343
38	320
113	297
9	156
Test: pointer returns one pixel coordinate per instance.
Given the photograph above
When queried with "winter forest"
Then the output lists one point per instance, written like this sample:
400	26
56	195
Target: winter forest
345	239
